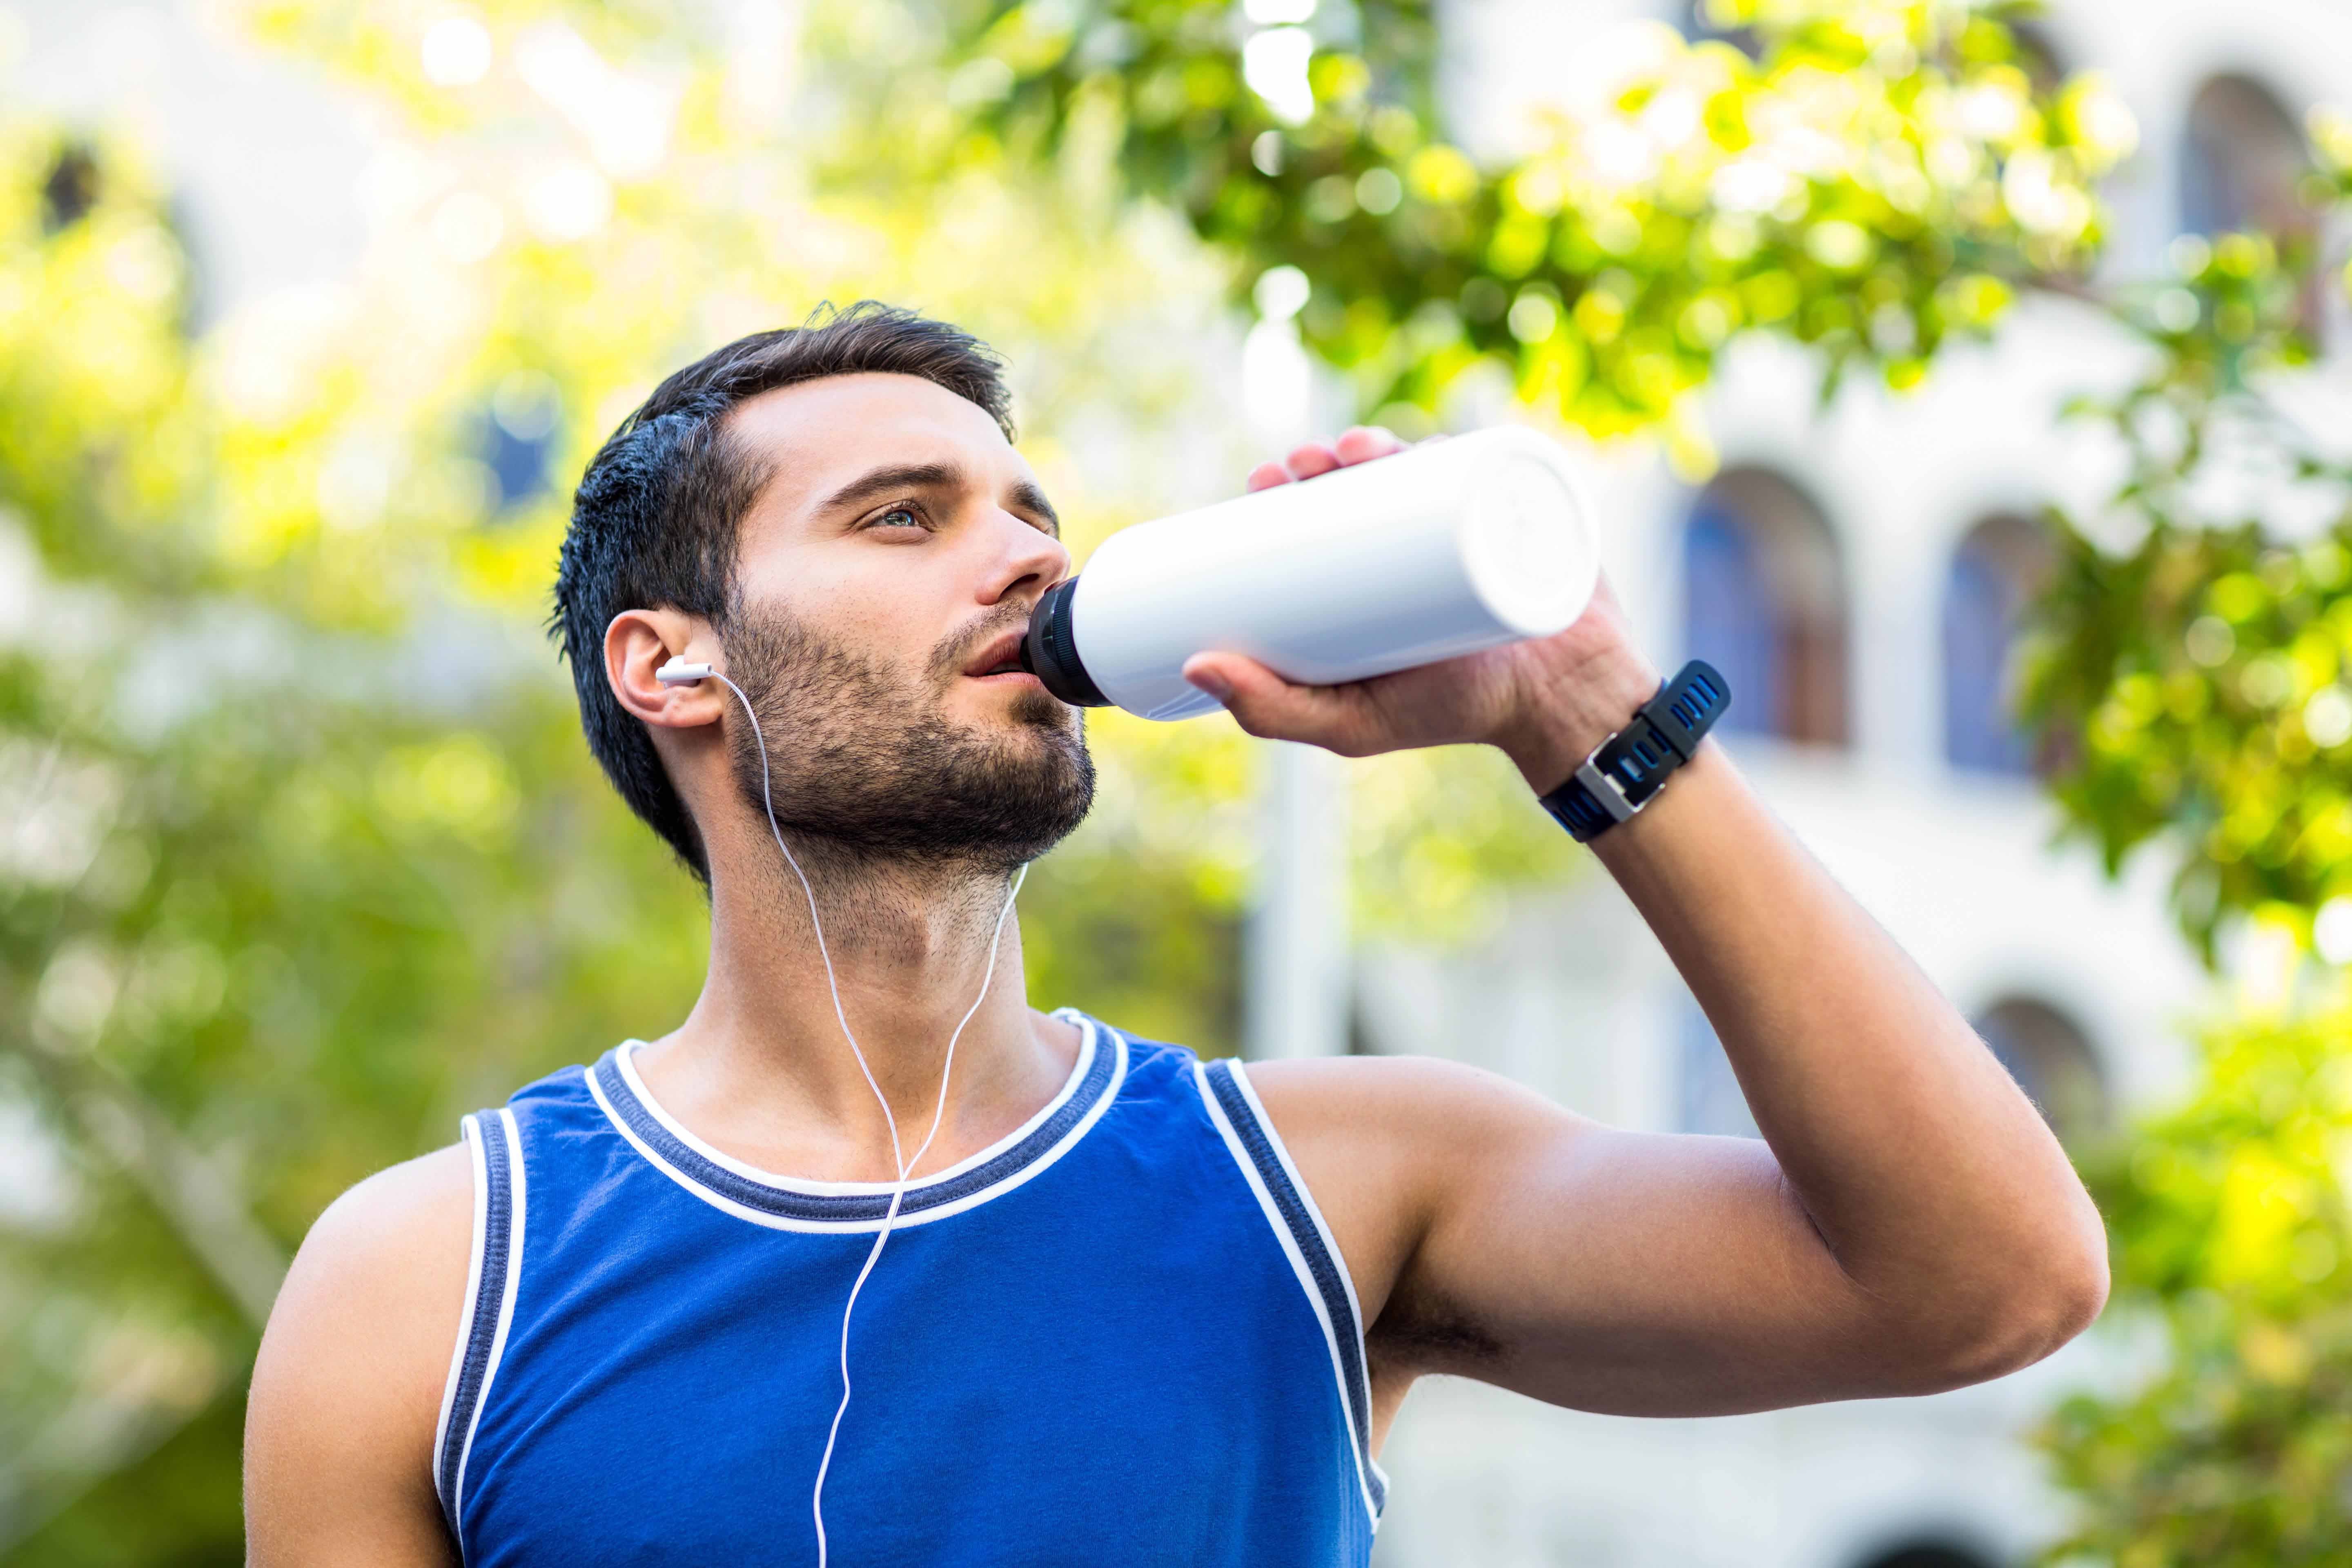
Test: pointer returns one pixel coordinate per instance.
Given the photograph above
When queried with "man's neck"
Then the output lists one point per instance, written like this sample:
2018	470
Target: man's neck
760	1067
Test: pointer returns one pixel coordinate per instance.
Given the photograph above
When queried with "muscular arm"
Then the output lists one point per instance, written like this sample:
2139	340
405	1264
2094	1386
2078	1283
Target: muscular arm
1908	1225
347	1387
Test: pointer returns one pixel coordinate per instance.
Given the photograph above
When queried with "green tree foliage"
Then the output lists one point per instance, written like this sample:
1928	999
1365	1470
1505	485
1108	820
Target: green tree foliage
2199	677
2230	1213
2200	669
1884	178
275	912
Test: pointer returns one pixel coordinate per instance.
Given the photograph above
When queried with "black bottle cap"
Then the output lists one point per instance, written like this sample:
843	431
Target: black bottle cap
1049	653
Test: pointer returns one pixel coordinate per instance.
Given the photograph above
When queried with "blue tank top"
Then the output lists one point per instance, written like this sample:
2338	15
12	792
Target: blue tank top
1123	1334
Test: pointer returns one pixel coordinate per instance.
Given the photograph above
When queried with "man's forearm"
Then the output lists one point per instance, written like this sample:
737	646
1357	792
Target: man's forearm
1925	1171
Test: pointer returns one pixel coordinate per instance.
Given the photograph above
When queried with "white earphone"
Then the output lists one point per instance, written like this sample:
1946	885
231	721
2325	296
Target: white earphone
677	672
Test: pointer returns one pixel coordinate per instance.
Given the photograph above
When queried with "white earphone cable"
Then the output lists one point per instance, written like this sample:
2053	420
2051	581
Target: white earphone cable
905	1166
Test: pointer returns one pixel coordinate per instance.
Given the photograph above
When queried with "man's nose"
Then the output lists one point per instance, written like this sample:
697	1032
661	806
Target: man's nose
1032	562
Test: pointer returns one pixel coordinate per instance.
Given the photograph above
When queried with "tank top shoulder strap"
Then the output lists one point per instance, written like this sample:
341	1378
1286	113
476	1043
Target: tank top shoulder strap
1240	1119
494	1140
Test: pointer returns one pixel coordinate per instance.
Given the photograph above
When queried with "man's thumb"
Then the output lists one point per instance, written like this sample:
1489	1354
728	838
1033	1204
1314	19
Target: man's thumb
1264	703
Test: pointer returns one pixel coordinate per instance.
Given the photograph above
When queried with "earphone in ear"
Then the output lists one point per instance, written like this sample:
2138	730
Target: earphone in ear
677	672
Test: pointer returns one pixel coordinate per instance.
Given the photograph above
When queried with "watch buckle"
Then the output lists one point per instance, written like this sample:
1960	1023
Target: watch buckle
1605	789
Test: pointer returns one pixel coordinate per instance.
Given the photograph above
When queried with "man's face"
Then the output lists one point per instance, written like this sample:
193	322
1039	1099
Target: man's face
885	571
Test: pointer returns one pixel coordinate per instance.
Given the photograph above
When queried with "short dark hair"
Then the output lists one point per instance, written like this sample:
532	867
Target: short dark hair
655	521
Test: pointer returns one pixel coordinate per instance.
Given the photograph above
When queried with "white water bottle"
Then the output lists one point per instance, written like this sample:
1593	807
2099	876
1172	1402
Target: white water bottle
1425	554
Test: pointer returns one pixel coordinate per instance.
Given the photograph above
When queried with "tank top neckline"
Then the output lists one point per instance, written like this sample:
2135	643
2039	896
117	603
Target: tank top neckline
794	1203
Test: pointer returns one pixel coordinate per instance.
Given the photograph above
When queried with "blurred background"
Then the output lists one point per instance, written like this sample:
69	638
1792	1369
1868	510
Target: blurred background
1966	381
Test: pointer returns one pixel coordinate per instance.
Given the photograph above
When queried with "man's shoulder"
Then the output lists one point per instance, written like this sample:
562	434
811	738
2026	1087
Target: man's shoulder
371	1308
1358	1097
1399	1132
347	1385
394	1245
1368	1093
398	1218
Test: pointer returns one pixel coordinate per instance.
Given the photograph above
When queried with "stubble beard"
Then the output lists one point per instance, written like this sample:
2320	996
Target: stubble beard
864	766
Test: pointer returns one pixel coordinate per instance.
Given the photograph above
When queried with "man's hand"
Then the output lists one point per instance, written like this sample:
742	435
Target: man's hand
1546	701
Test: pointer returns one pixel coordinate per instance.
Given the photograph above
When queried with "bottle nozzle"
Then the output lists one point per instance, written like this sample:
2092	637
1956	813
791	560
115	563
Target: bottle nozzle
1049	653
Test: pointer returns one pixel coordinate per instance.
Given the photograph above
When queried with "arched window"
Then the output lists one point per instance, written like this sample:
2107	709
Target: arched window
1927	1554
2051	1060
2242	158
1764	602
2000	565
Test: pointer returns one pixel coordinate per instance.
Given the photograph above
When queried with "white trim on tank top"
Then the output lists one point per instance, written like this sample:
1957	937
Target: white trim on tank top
470	1138
517	1196
1305	1276
625	1061
1091	1042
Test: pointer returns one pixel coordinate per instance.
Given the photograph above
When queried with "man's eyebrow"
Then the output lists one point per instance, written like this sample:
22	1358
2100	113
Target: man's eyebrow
876	483
1029	496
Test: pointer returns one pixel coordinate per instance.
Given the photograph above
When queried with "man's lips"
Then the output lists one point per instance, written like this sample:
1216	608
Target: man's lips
1001	654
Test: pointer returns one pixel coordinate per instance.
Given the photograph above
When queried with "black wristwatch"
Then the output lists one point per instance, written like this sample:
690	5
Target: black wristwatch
1631	766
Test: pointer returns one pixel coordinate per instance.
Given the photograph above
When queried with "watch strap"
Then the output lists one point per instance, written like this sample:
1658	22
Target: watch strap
1631	766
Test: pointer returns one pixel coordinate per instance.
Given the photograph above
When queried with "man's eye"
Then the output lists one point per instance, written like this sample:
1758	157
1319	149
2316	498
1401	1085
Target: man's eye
912	519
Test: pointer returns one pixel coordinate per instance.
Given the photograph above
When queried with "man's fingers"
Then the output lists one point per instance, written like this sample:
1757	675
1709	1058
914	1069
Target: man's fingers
1357	443
1265	704
1361	443
1312	459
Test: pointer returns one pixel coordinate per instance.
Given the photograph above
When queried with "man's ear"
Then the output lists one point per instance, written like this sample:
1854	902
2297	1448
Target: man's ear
638	643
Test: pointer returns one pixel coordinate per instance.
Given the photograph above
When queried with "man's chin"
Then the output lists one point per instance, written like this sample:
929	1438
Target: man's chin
1041	709
994	709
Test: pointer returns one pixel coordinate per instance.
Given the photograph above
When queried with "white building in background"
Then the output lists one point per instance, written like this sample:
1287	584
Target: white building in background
1855	575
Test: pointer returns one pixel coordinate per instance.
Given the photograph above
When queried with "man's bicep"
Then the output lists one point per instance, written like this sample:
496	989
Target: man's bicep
1628	1272
339	1425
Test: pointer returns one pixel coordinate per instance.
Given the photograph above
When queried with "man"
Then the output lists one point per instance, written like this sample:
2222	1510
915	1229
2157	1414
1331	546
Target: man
1135	1309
